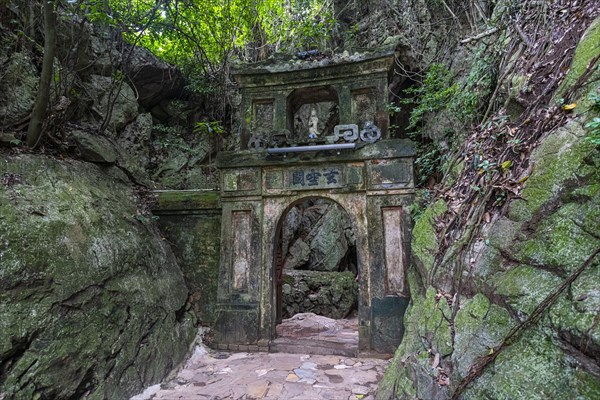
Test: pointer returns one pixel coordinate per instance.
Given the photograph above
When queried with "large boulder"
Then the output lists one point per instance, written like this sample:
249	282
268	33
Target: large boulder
153	79
92	301
92	147
317	236
110	98
18	88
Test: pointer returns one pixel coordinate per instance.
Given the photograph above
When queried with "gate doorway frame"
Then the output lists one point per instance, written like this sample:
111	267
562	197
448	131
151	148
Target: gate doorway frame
362	280
374	185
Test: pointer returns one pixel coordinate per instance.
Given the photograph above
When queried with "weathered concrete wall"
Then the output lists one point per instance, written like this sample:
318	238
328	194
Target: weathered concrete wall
191	224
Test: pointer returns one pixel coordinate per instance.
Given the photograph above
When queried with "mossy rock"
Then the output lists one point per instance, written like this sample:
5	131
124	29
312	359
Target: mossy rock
92	301
587	49
424	243
479	326
557	161
534	368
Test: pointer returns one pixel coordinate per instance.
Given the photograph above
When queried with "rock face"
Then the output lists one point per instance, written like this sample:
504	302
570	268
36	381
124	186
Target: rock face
538	262
330	294
17	88
92	302
155	80
544	239
318	236
320	263
113	100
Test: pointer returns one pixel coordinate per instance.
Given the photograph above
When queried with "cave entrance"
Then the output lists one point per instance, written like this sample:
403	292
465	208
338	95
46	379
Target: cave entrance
316	270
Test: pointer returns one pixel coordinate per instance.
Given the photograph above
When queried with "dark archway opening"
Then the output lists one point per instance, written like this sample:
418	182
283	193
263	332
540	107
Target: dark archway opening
317	273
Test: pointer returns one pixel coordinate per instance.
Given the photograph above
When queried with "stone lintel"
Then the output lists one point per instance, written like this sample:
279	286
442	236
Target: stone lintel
384	149
174	201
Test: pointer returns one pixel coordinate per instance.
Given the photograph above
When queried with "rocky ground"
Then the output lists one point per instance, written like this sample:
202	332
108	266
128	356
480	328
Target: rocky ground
216	375
219	375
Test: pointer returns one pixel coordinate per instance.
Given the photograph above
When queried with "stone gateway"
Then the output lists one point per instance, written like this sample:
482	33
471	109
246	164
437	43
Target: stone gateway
374	185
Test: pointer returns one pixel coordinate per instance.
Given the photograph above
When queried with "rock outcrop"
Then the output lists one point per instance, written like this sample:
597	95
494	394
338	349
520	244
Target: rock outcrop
514	314
330	294
153	79
318	236
92	301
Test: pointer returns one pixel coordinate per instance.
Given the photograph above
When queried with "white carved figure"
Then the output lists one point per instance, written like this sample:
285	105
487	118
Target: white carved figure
313	124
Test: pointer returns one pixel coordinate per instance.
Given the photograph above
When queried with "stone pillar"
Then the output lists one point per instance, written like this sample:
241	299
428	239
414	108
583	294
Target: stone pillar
345	105
280	121
238	293
388	227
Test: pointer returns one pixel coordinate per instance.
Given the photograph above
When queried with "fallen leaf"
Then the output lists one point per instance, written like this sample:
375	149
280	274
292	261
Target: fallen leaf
487	217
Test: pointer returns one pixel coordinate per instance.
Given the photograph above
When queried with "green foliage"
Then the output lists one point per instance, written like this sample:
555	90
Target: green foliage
433	94
428	161
210	128
594	124
203	36
461	101
469	101
439	91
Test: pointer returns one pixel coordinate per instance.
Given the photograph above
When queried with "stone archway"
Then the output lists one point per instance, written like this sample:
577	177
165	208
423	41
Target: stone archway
373	184
354	205
315	241
316	286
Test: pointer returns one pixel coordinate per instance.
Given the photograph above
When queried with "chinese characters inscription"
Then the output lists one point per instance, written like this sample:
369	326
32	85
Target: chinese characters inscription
315	178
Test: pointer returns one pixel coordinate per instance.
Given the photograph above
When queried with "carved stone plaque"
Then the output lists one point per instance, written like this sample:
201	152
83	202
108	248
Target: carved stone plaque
315	178
394	253
241	229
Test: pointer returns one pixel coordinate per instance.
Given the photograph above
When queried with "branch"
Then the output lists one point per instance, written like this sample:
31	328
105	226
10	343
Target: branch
34	131
489	32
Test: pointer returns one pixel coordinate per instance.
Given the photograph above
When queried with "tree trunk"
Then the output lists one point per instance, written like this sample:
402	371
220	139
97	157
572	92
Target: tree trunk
34	131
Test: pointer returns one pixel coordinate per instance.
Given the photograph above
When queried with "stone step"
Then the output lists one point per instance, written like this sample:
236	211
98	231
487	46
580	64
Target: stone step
307	346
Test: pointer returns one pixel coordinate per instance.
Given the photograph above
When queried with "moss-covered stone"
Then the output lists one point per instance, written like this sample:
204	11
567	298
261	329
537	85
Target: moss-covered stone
424	242
479	326
517	261
557	161
91	298
587	49
177	200
534	368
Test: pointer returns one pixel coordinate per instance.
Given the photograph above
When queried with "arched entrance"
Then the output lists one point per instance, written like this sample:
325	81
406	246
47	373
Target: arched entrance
316	276
374	185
